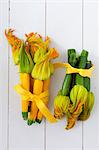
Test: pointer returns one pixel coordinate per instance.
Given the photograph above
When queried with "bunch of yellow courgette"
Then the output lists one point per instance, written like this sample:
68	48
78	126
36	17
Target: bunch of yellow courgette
33	57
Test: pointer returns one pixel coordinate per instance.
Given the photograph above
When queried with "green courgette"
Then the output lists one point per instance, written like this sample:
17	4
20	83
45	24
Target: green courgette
72	60
81	64
86	79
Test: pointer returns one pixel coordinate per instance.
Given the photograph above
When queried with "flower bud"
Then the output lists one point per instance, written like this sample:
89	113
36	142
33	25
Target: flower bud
26	62
61	104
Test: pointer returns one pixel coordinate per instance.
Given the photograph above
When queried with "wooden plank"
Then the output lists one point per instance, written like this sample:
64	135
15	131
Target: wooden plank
64	26
25	16
90	42
3	76
30	1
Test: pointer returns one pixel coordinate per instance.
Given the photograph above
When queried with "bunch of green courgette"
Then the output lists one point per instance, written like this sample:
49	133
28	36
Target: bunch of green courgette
75	99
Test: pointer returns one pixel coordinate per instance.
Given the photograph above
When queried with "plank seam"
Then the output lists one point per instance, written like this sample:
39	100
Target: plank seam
8	78
82	48
45	119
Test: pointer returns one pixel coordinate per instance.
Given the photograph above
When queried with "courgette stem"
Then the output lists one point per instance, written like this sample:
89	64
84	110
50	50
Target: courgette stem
73	80
81	64
72	60
86	79
74	74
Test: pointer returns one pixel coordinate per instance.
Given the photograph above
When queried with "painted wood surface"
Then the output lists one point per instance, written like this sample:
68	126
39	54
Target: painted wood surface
70	24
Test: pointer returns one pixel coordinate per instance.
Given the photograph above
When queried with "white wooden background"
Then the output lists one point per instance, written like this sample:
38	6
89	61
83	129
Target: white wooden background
70	24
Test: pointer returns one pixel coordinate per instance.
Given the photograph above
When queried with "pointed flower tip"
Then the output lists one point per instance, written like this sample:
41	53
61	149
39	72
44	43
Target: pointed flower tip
47	38
9	31
29	35
40	36
70	125
27	48
54	53
26	35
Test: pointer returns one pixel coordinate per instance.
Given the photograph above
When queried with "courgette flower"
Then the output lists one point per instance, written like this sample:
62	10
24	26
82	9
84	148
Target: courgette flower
87	107
61	104
26	62
78	97
15	43
43	68
36	42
